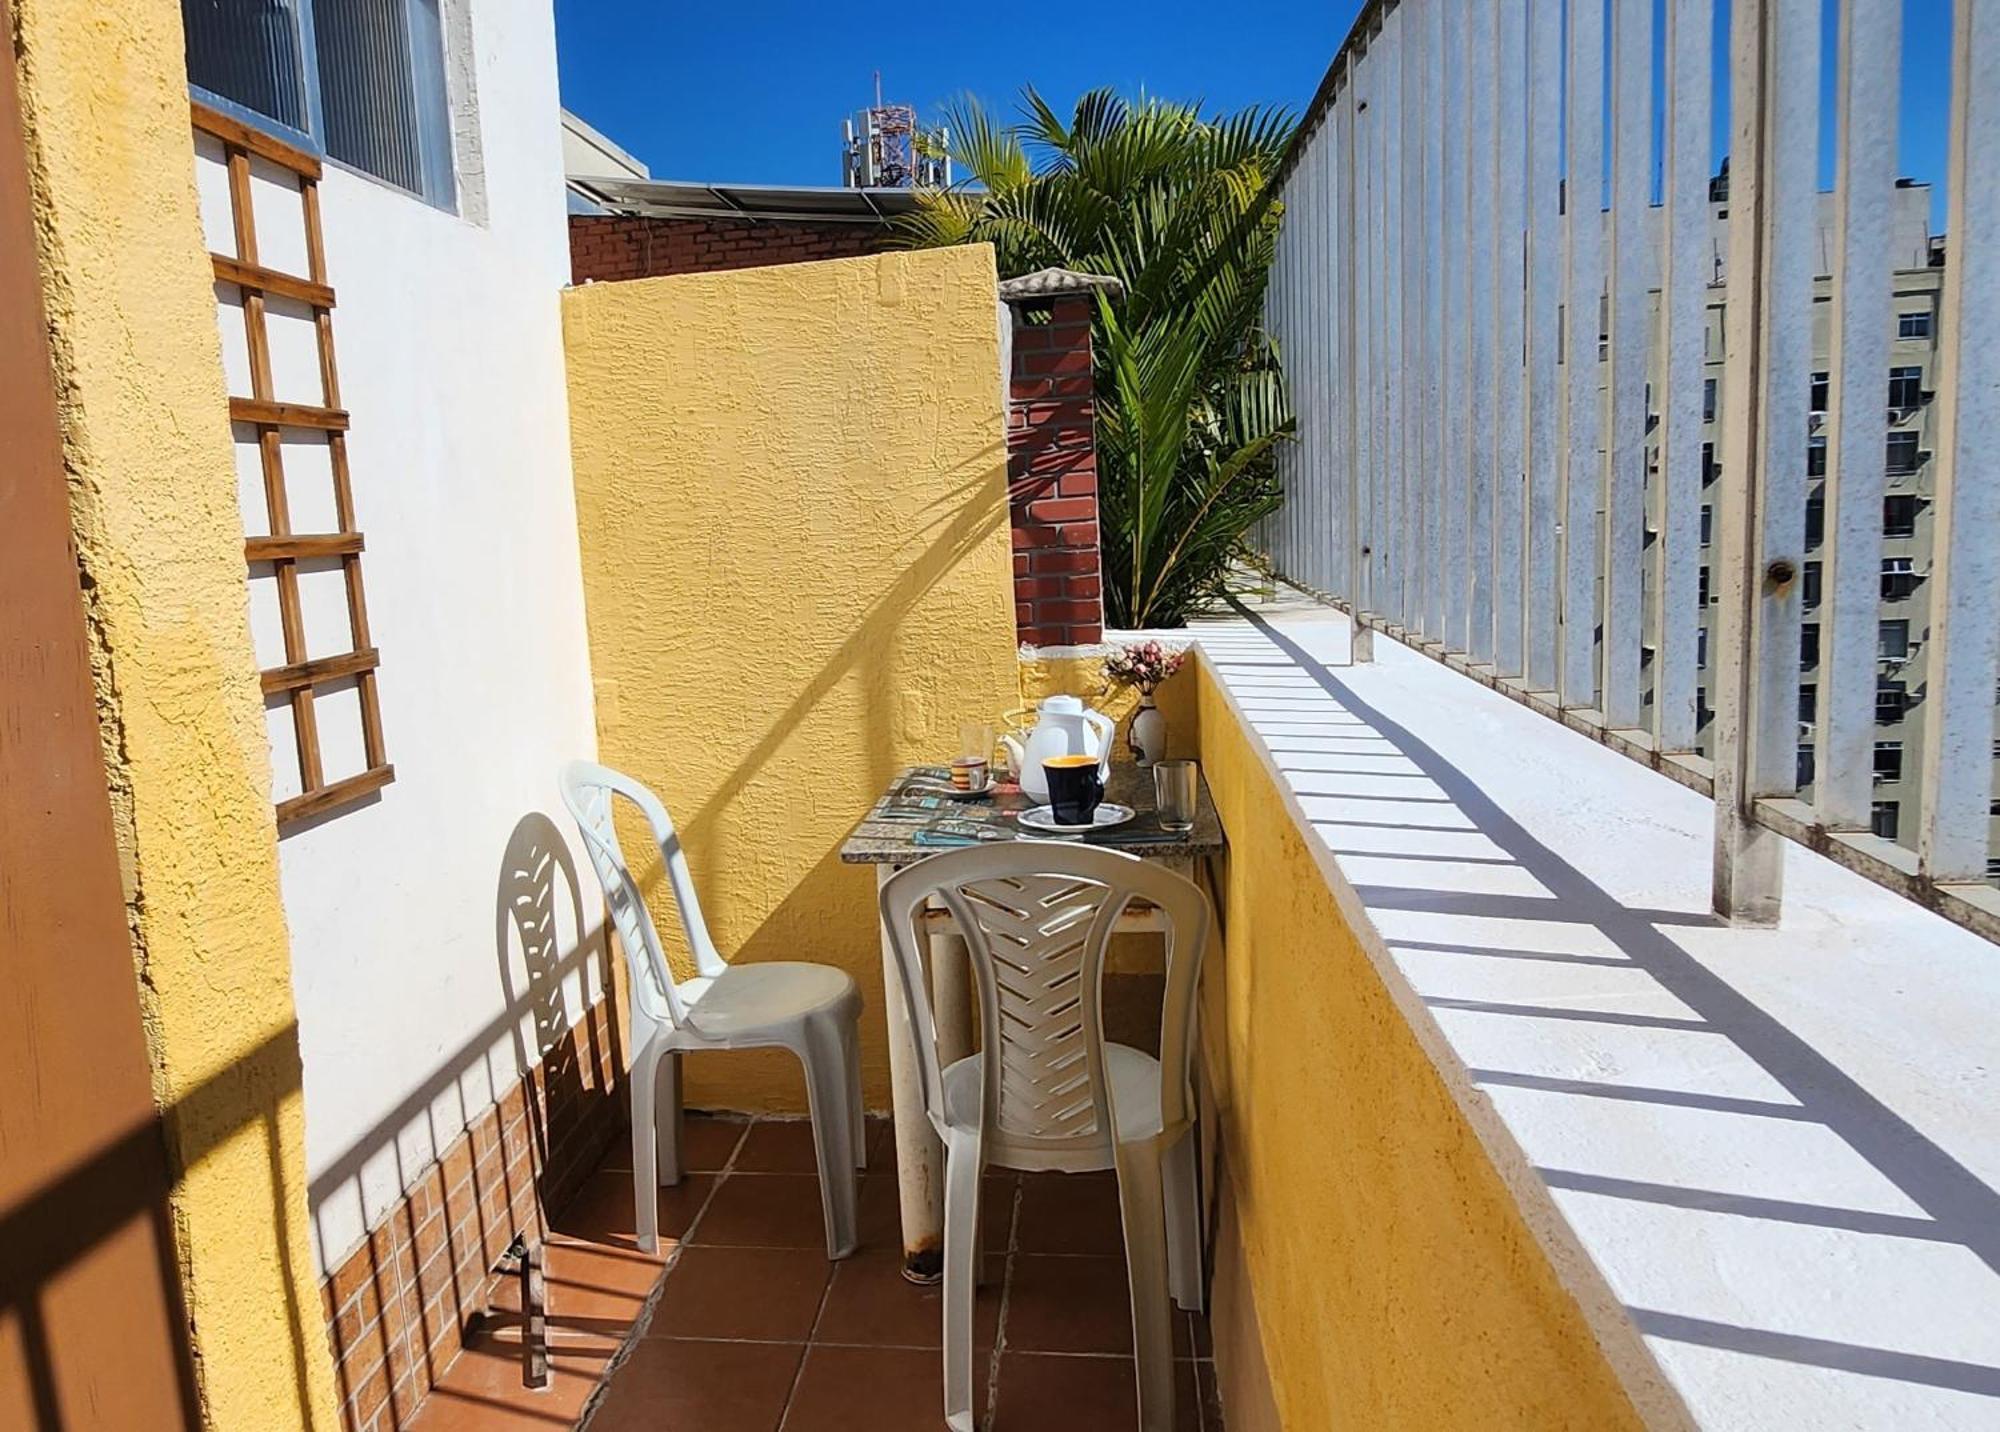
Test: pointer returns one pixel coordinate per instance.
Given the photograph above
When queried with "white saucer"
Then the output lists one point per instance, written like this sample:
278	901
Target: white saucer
1042	820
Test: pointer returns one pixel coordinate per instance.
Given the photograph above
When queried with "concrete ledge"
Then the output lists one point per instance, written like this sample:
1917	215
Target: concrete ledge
1762	1161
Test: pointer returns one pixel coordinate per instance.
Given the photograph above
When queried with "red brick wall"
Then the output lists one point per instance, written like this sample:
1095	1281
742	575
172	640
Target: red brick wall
398	1307
1052	480
614	247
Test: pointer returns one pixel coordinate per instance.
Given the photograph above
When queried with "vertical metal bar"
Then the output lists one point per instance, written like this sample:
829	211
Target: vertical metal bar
1544	298
1583	203
1683	319
1510	164
1409	158
1477	20
1328	472
1436	426
1361	279
1774	97
1277	296
1631	261
1389	302
1342	219
1455	467
1312	392
1857	428
1965	581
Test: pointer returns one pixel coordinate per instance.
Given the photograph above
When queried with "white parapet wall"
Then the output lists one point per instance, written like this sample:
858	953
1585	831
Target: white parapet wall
417	1007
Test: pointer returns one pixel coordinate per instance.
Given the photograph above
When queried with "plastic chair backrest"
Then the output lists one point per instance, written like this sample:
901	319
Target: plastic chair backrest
589	790
1037	918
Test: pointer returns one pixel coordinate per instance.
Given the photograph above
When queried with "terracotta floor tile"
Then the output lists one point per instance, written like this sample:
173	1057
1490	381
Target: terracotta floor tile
670	1384
870	1389
603	1212
881	1215
996	1209
1070	1213
1043	1392
481	1391
870	1302
767	1294
765	1210
1075	1305
778	1146
707	1141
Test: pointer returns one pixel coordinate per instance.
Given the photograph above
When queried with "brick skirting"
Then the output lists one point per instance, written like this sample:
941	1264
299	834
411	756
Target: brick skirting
603	247
399	1306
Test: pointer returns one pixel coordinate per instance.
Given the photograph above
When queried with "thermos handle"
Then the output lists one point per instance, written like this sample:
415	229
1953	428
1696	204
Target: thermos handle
1106	729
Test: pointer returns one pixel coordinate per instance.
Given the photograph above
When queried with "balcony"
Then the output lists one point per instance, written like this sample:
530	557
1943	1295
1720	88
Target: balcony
1559	1065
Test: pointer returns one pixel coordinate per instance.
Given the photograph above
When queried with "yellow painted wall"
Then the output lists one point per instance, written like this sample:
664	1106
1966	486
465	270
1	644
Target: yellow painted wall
146	436
1396	1283
797	565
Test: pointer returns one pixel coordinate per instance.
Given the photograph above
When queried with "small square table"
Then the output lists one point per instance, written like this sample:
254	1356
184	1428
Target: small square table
890	845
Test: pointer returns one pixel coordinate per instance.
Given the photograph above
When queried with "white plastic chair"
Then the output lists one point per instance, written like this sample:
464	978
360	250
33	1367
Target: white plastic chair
807	1008
1048	1091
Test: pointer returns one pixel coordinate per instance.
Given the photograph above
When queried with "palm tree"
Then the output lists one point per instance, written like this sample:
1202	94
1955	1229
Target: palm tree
1191	399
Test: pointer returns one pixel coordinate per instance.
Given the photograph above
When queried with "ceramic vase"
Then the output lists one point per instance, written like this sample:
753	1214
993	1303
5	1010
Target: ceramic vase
1147	736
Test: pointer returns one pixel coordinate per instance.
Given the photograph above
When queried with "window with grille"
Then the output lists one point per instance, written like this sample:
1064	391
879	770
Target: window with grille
1891	698
1888	760
1899	578
360	81
1885	819
1902	454
1906	388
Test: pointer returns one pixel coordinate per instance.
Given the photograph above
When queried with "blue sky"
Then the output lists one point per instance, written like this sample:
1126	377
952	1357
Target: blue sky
755	93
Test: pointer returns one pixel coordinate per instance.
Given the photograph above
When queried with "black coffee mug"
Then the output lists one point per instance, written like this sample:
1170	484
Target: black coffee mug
1076	787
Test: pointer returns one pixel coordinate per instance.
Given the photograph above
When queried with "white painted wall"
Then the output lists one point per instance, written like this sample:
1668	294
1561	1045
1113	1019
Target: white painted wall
450	352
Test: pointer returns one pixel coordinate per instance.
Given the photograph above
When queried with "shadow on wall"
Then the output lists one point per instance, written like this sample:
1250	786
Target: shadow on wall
1763	1090
827	913
484	1147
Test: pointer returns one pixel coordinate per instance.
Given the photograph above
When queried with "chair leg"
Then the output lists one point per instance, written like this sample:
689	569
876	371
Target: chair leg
822	1050
1183	1196
961	1280
667	1119
1142	1203
850	1033
645	1131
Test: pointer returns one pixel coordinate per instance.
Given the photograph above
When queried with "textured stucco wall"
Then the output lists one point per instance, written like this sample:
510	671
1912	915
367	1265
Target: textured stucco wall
1395	1281
146	443
791	497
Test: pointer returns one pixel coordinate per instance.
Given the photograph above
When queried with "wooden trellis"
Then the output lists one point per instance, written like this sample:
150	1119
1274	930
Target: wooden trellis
284	549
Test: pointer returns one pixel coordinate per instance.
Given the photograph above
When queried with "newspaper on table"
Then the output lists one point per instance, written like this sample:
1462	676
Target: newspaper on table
922	809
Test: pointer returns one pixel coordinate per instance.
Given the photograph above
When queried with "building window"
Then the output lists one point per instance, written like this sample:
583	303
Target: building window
1891	697
1993	870
1819	387
1914	325
1888	760
1899	515
1902	454
1804	776
1883	819
1708	400
1809	645
362	81
1899	578
1906	388
1816	514
1701	648
1809	586
1808	704
1707	523
1701	587
1709	471
1892	640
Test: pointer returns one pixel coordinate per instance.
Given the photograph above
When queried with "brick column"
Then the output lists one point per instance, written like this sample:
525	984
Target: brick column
1052	465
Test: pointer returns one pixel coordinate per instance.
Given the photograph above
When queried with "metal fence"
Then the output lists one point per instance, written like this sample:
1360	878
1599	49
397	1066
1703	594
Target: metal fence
1508	278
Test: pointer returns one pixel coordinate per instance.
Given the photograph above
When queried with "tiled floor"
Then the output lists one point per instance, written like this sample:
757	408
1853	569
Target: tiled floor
753	1330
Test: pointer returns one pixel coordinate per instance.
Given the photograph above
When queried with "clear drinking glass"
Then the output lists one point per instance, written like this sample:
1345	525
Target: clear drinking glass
1174	786
975	738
